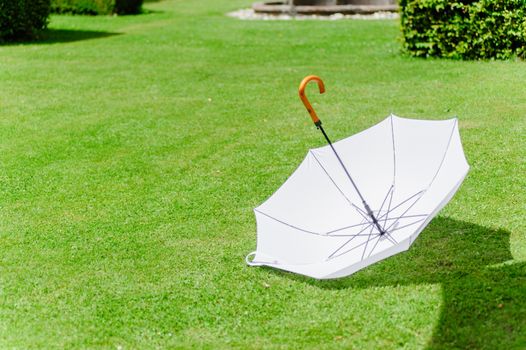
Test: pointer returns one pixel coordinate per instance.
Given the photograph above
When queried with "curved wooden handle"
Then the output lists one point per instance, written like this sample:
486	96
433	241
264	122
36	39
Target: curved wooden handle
304	99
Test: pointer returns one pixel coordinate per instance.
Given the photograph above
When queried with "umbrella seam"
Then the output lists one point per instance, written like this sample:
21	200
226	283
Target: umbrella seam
332	180
394	150
444	155
287	224
334	183
434	177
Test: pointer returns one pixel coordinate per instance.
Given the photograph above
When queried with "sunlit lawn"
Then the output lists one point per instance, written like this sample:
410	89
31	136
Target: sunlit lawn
133	150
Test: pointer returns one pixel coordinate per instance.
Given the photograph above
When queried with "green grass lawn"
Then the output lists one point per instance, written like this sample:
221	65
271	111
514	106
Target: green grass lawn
133	149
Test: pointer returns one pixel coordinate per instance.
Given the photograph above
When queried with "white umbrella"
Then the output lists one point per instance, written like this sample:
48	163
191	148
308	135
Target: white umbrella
361	199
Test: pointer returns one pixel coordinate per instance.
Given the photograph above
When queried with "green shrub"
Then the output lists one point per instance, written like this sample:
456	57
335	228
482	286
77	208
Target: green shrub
97	7
22	19
465	29
83	7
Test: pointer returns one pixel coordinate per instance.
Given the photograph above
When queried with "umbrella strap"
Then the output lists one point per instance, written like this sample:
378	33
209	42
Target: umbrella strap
257	263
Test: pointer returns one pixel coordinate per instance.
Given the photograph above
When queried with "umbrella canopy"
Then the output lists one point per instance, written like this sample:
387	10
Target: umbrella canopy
361	199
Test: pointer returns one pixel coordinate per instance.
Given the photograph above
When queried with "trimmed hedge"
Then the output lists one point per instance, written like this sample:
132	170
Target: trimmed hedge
97	7
83	7
22	19
464	29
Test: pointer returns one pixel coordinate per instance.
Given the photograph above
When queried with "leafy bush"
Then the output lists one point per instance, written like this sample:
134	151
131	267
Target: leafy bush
22	19
83	7
466	29
97	7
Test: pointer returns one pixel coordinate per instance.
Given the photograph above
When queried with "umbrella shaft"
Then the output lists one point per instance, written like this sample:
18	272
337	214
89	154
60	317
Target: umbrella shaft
367	208
375	221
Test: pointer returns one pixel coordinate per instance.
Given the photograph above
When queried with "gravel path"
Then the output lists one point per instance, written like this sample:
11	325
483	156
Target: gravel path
249	14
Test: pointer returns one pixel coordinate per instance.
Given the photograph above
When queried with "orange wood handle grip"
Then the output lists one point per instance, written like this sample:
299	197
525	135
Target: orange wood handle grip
304	99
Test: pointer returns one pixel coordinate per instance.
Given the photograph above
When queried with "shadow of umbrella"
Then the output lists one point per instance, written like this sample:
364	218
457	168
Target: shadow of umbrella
484	291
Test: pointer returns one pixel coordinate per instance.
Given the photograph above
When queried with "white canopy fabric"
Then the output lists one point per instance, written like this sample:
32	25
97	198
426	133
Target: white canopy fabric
316	225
